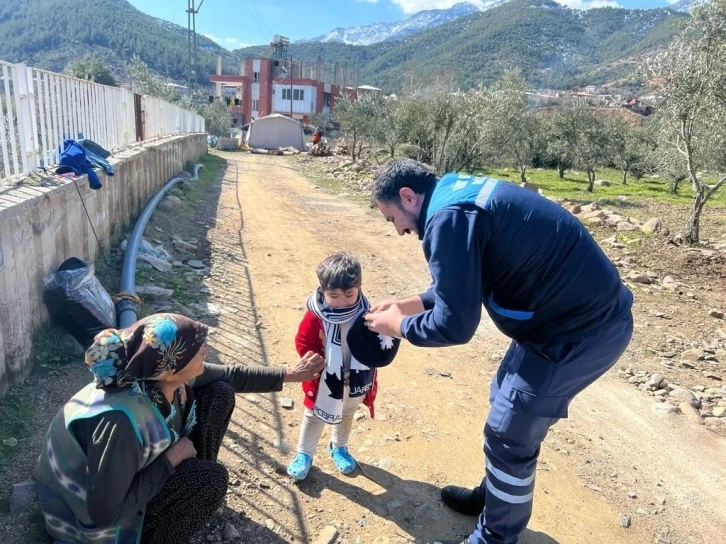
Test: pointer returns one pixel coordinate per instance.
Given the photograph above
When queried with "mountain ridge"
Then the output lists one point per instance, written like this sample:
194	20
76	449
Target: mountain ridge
394	30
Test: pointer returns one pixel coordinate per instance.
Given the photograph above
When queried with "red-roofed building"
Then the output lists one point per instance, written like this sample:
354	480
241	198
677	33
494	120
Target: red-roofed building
264	87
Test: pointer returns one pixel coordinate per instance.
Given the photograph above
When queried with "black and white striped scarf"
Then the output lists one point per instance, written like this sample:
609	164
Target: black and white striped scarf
329	401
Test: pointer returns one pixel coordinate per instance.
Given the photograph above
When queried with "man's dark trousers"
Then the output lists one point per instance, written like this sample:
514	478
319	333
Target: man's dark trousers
532	390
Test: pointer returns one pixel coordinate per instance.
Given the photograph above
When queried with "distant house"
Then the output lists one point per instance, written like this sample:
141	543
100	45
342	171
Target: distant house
368	90
266	86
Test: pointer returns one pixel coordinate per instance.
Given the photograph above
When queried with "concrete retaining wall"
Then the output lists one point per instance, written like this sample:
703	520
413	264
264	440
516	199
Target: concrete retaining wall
40	227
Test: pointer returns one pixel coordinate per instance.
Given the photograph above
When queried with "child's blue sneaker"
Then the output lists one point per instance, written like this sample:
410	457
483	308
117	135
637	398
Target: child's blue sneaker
342	459
300	466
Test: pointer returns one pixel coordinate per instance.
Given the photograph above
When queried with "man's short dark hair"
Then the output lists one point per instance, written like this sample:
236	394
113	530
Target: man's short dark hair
339	271
400	173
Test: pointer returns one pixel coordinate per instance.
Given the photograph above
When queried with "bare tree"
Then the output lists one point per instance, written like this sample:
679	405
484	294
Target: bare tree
693	108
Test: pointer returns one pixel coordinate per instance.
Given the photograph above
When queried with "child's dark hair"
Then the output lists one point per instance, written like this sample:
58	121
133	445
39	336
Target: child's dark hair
339	271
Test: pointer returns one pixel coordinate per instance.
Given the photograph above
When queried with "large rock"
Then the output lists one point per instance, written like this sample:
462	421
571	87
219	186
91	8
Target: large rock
692	355
230	532
198	265
683	395
615	218
603	183
154	292
171	202
591	207
574	209
669	283
530	186
655	382
71	345
626	226
691	413
652	226
328	535
637	277
594	214
180	244
718	314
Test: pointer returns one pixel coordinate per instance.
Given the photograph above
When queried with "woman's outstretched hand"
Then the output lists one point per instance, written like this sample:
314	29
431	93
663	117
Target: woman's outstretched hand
306	369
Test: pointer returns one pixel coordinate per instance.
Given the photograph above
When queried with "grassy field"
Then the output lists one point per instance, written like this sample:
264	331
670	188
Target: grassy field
574	186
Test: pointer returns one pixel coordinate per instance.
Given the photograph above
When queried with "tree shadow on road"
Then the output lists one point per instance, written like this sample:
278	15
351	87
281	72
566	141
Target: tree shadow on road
415	507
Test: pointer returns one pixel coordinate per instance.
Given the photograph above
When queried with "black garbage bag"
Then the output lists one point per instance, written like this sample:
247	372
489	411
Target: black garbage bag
77	301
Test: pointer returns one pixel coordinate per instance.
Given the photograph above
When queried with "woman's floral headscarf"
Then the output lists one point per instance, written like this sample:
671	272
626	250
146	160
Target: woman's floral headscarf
146	352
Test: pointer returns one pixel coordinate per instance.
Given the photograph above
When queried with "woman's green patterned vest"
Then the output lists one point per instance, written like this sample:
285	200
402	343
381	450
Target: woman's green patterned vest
61	470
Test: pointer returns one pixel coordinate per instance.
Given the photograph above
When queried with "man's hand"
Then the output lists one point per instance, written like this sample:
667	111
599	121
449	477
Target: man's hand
307	368
182	450
408	306
386	322
385	305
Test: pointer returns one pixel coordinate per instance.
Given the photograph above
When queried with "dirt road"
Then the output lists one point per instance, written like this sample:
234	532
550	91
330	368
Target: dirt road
262	229
616	456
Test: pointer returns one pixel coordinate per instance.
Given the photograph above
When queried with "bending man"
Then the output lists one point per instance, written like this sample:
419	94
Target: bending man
544	282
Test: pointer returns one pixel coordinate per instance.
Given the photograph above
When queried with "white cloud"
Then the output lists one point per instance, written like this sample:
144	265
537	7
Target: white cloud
414	6
227	42
589	4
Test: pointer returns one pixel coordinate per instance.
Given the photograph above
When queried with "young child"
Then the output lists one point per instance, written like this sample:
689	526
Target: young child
333	398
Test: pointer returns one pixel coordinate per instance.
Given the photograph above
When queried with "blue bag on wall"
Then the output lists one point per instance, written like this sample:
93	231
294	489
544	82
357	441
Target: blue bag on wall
73	159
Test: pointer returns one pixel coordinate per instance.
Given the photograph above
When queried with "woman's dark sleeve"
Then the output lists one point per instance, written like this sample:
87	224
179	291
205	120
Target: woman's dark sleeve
243	379
117	487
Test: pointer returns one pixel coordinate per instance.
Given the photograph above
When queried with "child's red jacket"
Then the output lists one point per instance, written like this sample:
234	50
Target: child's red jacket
311	337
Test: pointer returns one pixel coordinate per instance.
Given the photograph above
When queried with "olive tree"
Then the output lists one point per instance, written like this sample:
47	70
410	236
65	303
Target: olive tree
630	147
513	132
587	138
693	107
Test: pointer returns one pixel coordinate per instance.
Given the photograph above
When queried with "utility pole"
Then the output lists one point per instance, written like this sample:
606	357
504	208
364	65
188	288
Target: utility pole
192	11
292	68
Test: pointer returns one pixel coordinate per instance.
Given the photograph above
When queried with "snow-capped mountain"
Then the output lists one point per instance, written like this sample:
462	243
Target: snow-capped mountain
423	20
685	6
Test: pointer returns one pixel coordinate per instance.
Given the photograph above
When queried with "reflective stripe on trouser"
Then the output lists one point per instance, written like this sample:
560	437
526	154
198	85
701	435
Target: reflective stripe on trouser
532	390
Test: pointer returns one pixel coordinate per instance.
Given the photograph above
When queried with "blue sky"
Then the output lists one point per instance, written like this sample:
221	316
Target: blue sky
233	23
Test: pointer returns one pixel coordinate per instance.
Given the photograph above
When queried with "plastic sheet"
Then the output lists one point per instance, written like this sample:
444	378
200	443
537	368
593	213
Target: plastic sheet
78	302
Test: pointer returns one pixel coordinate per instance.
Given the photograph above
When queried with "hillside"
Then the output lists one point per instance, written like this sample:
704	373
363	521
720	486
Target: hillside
49	34
553	45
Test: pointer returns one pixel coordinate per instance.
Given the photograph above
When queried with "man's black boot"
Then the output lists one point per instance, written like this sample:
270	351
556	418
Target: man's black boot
469	502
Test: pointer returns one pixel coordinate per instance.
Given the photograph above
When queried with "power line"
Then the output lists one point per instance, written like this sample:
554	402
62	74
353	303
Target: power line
257	10
258	19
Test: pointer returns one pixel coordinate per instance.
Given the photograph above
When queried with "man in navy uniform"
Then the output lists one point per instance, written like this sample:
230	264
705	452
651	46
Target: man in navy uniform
544	282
